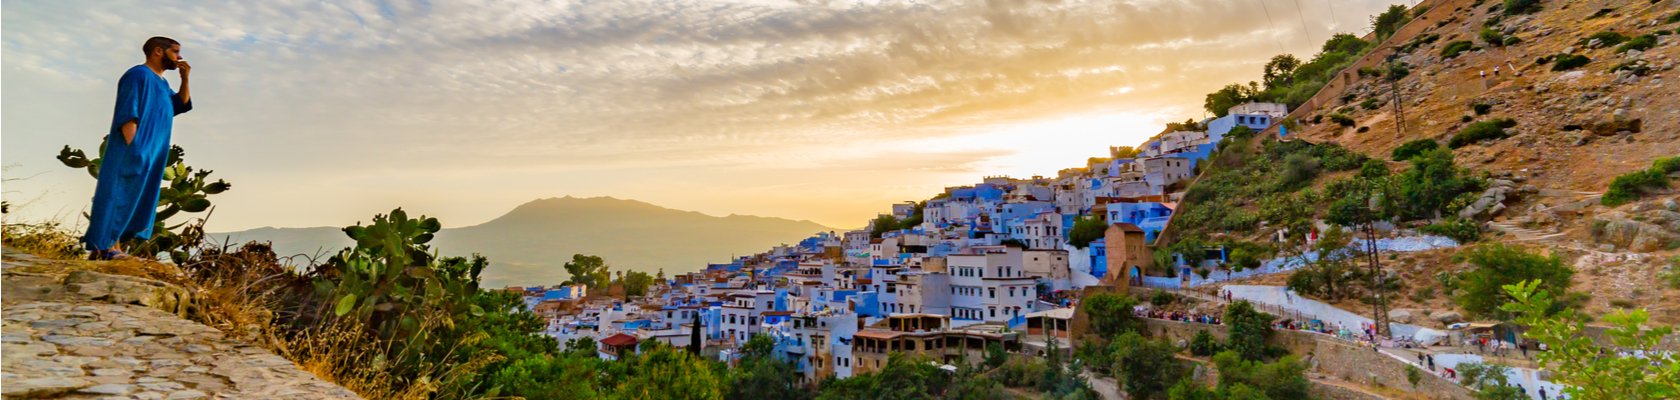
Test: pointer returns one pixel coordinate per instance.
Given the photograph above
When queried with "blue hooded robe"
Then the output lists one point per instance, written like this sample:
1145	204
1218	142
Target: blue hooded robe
125	202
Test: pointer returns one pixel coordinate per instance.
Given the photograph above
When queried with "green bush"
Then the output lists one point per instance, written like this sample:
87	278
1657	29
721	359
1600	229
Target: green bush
1480	290
1633	185
1110	314
1461	230
1666	166
1481	108
1148	367
1605	38
1672	18
1249	330
1298	169
1086	230
1514	7
1565	62
1341	119
1477	132
1369	103
1454	48
1203	344
1641	43
1493	37
1281	379
1161	298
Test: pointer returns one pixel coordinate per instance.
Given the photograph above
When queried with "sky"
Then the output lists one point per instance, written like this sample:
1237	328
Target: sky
323	113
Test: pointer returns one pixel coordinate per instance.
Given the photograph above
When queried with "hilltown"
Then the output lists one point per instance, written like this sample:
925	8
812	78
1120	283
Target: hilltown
977	265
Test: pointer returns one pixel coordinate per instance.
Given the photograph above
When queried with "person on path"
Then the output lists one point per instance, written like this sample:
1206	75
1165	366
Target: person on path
137	150
1431	358
1496	70
1543	393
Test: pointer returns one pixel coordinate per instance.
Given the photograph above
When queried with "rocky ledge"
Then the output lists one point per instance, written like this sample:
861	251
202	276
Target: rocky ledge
83	334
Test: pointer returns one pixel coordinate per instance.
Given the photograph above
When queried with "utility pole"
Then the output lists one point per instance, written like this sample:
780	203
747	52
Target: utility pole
1379	308
1396	71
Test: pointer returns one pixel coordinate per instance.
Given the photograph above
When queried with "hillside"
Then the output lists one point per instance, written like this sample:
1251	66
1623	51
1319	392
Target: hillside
1568	130
529	244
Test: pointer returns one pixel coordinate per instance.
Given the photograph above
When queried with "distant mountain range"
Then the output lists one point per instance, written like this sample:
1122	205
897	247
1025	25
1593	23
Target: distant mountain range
530	244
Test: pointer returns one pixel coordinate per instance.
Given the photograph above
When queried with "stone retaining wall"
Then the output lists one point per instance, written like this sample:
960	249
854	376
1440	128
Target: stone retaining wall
1328	356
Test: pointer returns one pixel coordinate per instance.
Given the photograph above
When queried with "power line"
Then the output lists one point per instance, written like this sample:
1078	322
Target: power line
1330	4
1272	23
1304	35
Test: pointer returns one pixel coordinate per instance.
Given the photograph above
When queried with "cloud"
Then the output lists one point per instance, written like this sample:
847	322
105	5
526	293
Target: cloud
311	92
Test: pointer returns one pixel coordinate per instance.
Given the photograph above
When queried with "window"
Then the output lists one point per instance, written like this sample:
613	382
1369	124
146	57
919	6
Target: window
991	292
994	311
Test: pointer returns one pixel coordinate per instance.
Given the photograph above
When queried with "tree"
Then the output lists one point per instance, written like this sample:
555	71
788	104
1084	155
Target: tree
1123	152
1281	379
1110	314
1430	185
1345	43
1147	367
1280	71
881	225
761	375
1332	274
1086	230
662	372
1389	21
995	355
1249	330
694	335
590	271
1489	380
636	283
1220	102
1481	290
1586	370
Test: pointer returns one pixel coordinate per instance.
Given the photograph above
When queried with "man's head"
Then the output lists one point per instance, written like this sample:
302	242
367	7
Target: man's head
164	51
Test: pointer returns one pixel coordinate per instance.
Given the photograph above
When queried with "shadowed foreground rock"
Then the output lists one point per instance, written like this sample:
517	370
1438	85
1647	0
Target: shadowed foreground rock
83	334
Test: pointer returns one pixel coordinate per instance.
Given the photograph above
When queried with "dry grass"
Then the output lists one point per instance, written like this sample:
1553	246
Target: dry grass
47	240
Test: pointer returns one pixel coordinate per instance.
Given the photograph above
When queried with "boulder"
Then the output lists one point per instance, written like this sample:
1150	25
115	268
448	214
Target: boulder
1447	317
1402	315
1617	230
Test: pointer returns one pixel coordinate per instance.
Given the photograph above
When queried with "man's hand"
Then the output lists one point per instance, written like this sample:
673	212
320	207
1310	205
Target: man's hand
185	68
128	129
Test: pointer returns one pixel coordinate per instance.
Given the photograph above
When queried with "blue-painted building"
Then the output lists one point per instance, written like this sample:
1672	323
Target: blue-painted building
1151	217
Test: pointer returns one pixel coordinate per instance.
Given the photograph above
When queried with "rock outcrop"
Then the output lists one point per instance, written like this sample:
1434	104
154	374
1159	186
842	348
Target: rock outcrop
68	332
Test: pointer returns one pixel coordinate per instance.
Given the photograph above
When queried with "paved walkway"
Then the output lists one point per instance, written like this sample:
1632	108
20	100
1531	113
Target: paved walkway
63	337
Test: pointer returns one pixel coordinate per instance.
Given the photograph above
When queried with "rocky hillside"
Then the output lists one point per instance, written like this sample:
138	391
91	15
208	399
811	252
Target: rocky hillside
1588	90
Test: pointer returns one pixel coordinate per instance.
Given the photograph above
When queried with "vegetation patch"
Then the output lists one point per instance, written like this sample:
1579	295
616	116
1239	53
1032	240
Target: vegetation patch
1478	132
1633	185
1565	62
1456	47
1641	43
1516	7
1605	38
1459	229
1480	290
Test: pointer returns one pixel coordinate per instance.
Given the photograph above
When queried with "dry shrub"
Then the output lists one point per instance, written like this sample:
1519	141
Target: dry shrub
48	239
339	350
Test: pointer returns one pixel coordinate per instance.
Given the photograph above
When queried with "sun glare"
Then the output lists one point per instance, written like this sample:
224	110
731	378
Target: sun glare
1045	146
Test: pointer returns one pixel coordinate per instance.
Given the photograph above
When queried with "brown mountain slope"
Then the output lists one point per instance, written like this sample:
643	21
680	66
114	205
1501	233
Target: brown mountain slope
1620	253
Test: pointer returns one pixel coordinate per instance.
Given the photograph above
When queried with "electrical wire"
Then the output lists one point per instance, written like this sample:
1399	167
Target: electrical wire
1272	23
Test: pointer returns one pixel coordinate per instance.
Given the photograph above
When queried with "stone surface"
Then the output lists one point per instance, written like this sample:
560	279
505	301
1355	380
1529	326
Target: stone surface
82	334
1447	317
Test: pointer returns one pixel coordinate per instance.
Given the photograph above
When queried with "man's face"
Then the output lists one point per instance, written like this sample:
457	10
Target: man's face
171	54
